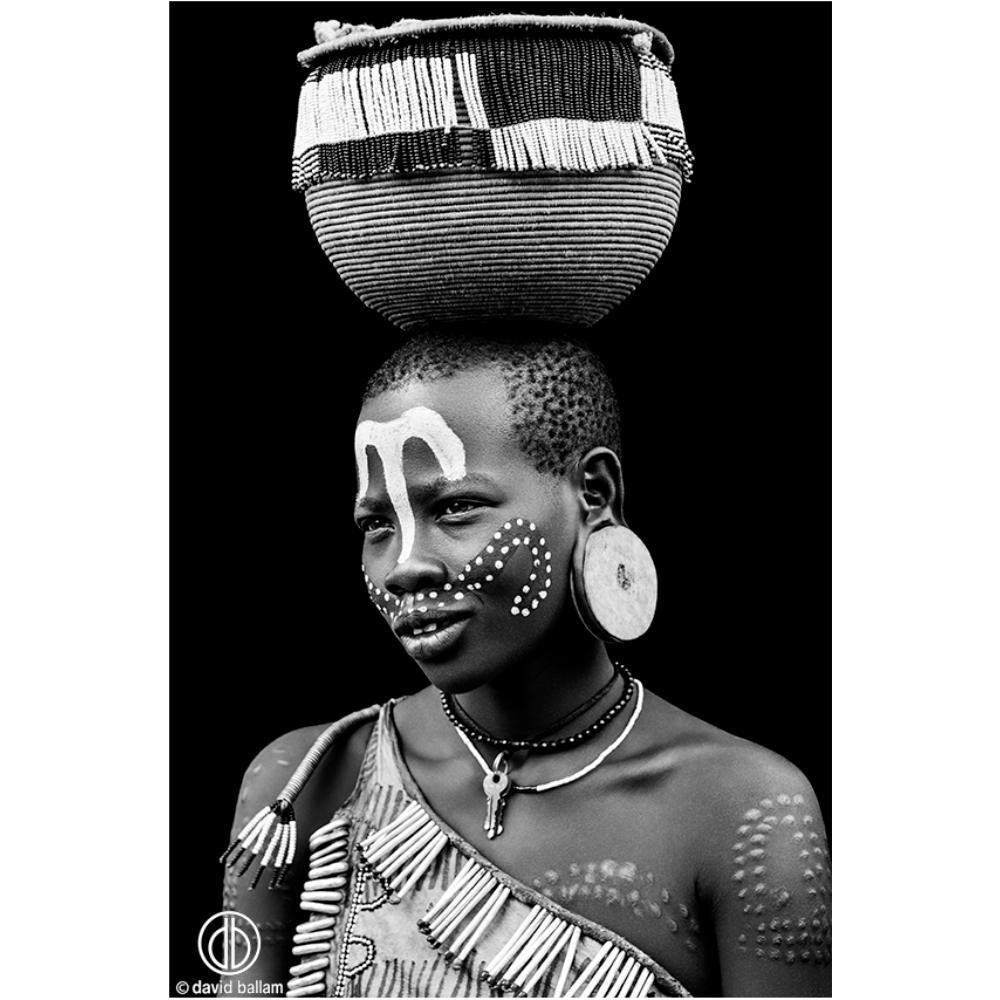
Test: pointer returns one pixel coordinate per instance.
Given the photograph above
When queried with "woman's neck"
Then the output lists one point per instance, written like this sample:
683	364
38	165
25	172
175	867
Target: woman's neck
542	688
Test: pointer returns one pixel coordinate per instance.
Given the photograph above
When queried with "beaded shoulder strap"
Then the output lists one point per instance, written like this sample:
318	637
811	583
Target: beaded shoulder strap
278	819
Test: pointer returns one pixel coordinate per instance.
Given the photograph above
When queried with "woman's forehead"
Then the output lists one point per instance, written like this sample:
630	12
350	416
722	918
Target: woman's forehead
473	405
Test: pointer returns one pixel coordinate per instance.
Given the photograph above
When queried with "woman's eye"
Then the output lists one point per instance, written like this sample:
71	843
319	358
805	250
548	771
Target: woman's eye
452	507
372	525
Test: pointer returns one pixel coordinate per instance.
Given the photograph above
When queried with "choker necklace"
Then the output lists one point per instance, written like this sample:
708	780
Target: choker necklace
538	745
497	785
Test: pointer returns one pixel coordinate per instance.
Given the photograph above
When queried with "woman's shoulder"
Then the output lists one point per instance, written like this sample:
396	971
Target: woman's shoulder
330	782
716	769
725	789
719	762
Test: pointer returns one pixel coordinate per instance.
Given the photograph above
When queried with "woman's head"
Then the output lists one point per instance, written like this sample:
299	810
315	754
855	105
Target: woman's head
483	466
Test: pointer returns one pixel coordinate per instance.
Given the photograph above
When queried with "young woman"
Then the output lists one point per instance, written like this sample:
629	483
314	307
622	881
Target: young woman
535	821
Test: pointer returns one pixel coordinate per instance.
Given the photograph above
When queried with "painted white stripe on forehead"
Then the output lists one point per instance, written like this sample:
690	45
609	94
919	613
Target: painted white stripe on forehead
388	439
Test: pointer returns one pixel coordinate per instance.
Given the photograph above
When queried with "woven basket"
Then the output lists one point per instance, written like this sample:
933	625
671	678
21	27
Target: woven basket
495	169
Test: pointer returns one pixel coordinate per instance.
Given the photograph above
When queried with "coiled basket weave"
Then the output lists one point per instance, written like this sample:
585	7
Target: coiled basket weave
496	168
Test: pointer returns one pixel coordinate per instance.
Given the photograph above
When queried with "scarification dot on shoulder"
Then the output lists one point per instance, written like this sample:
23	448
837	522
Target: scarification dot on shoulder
753	815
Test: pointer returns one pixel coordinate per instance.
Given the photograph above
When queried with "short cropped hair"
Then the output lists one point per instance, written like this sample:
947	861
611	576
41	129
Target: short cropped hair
562	401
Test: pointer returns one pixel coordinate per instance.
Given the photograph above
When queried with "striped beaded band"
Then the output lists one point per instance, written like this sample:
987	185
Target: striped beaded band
507	99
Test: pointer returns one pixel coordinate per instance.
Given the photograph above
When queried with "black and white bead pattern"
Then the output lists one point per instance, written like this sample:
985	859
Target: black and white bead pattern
483	569
323	899
280	851
532	101
661	111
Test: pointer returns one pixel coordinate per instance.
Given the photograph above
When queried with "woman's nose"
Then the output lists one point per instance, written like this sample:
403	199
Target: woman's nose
419	571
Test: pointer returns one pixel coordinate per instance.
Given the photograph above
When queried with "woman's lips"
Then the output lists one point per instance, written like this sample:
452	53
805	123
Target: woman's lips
427	638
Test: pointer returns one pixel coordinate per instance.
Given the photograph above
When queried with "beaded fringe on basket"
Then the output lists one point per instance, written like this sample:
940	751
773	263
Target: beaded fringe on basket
530	103
401	852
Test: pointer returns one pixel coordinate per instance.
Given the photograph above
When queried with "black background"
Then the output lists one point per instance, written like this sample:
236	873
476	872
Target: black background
720	358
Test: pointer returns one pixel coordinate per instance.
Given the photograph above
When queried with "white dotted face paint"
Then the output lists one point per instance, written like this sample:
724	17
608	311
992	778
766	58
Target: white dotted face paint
512	536
388	439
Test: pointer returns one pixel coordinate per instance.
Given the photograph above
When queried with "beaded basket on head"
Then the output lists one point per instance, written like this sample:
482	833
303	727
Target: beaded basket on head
500	168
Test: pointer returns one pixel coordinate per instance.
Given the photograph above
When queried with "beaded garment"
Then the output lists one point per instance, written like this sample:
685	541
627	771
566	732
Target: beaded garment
398	905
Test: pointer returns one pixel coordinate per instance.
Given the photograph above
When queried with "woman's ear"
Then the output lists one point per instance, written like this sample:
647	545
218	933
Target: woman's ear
613	579
601	490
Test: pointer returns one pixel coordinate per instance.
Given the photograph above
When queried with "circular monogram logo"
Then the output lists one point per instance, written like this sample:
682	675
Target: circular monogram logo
229	943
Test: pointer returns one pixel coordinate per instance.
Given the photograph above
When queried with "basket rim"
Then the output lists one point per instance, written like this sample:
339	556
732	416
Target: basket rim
362	35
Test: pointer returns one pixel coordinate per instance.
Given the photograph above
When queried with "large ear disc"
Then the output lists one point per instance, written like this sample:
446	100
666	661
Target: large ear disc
616	592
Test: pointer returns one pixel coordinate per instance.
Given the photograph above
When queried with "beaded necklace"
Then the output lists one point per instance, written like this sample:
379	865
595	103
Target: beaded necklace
536	744
497	784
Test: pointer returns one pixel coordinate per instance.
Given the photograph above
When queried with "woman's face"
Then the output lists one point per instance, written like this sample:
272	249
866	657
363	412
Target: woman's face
467	548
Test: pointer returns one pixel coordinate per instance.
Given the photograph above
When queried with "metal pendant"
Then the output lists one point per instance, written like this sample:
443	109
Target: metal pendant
496	786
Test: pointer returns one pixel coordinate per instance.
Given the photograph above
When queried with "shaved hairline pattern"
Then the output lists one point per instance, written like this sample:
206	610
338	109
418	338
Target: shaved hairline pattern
562	401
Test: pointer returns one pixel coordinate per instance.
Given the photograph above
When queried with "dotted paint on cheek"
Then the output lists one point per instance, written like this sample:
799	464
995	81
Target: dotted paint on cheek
516	534
792	919
388	604
482	570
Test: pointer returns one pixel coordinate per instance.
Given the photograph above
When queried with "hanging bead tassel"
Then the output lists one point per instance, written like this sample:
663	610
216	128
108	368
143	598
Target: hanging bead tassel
611	973
530	951
567	963
251	839
400	853
323	899
279	852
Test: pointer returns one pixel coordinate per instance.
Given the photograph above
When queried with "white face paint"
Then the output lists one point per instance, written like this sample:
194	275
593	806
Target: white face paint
388	439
